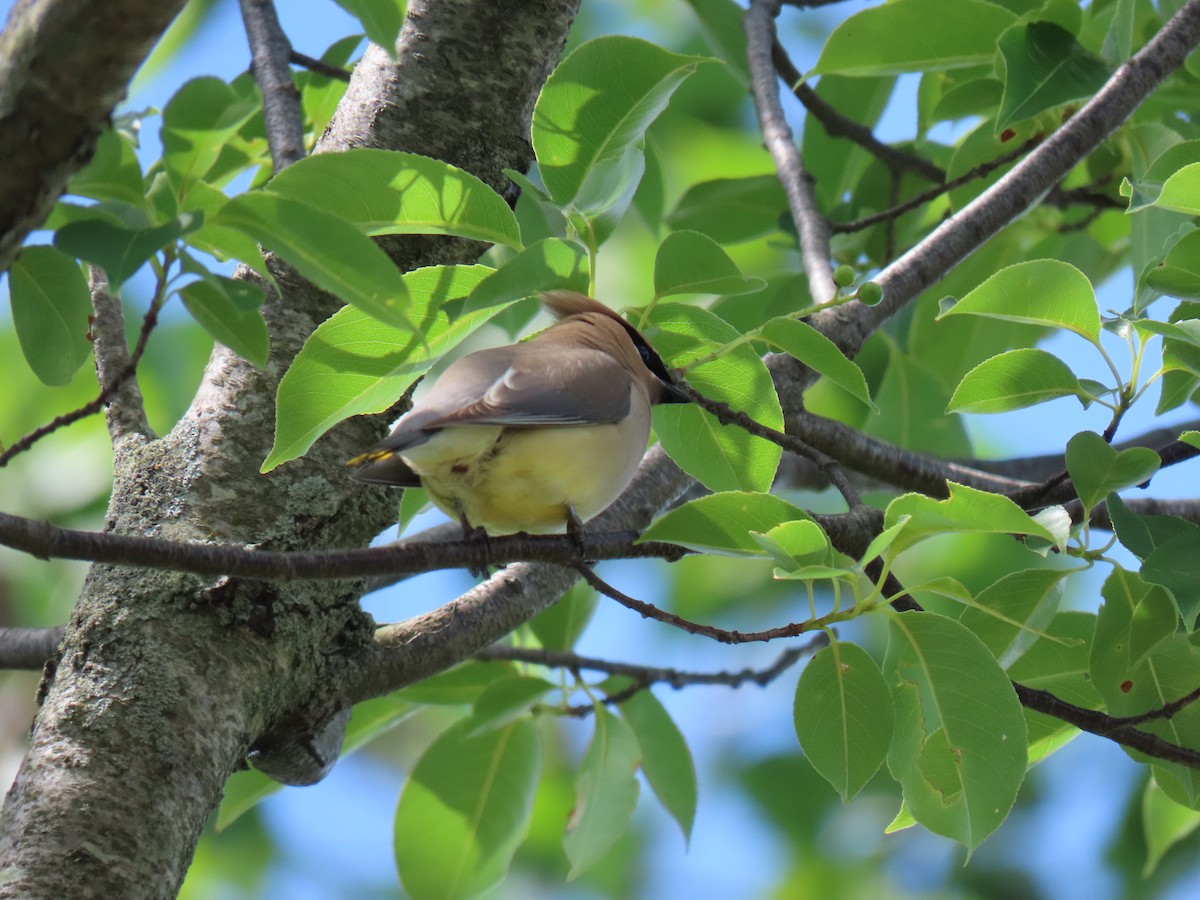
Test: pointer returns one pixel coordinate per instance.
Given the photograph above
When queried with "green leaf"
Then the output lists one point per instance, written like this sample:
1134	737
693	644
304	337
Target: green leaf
721	523
959	749
325	249
1098	470
836	165
666	760
1142	535
391	192
967	510
721	458
1181	192
844	717
559	625
1044	67
1014	380
196	124
1135	618
51	306
354	364
547	264
380	19
689	262
1009	614
597	104
606	793
1041	292
1176	566
1058	662
465	810
215	301
1164	824
112	174
1178	275
731	210
120	251
504	700
805	343
914	36
795	544
1191	438
458	686
721	22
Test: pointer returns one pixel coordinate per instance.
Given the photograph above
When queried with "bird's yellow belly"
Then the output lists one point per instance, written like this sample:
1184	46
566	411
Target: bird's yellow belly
529	479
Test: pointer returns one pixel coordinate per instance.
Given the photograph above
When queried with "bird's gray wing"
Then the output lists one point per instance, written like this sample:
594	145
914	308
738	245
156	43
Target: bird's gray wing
550	386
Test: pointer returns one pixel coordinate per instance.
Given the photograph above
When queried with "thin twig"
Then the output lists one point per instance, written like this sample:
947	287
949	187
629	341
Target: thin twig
836	125
722	635
813	231
107	391
648	675
980	171
271	53
1163	712
727	415
319	66
1105	726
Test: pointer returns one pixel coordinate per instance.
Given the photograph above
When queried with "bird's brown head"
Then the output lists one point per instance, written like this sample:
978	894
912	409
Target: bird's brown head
616	336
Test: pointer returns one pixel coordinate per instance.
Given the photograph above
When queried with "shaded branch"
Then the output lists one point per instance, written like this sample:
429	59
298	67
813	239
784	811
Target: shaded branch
44	541
813	231
28	648
115	371
271	52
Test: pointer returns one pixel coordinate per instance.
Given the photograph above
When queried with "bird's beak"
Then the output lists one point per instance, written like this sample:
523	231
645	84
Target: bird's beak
672	393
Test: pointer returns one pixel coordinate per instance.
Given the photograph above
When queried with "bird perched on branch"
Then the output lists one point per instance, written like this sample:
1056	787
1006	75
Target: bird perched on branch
536	436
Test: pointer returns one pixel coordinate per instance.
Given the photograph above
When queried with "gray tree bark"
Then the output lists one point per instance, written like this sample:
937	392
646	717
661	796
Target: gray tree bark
166	681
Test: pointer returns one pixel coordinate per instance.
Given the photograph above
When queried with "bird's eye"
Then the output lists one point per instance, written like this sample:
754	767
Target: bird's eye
646	354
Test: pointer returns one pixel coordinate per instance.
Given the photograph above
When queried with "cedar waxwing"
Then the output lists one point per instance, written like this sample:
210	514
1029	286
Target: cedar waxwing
535	436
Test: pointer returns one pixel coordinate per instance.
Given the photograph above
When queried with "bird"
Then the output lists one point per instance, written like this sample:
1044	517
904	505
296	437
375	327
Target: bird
535	437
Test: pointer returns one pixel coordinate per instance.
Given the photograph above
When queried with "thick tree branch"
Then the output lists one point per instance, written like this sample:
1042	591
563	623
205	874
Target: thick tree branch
44	541
182	673
850	324
759	22
53	112
271	53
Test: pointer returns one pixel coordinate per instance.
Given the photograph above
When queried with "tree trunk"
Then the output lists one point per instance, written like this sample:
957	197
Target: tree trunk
167	680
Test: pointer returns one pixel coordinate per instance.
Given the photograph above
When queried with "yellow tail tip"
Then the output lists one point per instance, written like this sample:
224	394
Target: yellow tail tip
370	456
